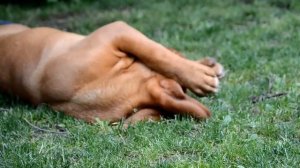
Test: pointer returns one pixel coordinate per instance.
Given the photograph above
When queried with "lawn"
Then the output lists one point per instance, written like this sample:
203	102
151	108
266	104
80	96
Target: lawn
256	114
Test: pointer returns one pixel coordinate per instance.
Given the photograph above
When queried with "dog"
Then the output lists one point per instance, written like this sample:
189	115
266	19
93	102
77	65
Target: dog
115	73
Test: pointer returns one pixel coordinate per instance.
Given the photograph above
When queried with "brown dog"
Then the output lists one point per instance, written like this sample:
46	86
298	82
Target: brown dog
112	74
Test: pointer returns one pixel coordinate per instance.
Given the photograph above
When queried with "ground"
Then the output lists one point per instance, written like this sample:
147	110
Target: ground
256	114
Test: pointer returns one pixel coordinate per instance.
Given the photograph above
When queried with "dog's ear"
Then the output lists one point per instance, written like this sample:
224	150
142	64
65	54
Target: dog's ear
172	88
170	97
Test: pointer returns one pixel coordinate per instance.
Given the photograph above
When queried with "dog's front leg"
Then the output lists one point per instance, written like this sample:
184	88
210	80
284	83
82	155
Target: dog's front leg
199	78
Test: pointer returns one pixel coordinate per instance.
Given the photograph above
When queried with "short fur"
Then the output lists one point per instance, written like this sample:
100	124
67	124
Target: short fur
114	73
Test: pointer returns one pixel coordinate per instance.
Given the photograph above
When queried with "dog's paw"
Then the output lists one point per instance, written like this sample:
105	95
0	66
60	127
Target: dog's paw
205	77
217	67
199	78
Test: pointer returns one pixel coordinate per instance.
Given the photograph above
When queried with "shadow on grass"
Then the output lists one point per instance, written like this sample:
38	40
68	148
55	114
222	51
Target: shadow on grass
8	101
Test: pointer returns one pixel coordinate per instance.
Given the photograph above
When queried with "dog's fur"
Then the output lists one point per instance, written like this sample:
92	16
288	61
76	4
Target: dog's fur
112	74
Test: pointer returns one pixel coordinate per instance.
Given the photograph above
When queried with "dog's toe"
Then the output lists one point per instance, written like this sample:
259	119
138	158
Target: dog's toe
211	62
219	70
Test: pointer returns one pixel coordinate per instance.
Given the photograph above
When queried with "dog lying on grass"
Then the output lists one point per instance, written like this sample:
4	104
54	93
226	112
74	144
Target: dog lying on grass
114	73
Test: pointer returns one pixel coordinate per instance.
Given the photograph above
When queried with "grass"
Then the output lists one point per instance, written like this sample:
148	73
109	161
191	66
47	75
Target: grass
256	41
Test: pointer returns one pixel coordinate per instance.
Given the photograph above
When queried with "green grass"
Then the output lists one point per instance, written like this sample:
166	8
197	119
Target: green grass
258	43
